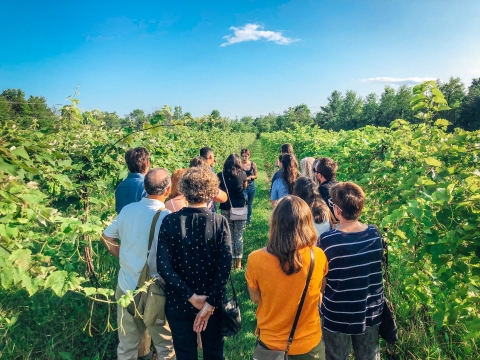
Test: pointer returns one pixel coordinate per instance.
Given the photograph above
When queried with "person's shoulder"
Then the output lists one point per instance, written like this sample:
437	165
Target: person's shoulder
255	255
319	253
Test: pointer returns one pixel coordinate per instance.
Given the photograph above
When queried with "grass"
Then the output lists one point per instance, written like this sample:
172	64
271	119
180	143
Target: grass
46	327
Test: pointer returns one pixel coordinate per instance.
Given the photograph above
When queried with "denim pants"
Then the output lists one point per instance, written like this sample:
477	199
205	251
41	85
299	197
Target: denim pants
185	339
249	193
365	346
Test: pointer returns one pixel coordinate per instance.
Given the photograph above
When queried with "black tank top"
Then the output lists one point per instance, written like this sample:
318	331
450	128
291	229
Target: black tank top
249	172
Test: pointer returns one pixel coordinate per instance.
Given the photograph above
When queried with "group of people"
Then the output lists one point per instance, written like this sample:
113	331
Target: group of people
314	221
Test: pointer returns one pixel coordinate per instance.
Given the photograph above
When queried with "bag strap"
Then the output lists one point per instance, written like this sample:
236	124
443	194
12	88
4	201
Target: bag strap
152	230
302	300
384	257
233	287
226	188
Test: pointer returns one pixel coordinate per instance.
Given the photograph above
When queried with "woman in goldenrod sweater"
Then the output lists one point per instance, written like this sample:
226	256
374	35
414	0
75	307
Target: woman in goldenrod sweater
276	276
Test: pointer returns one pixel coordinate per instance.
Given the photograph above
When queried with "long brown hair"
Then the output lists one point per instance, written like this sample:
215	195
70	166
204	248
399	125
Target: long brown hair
290	171
291	230
307	190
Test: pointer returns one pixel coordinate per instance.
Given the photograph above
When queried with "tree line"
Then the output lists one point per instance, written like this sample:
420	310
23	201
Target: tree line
342	112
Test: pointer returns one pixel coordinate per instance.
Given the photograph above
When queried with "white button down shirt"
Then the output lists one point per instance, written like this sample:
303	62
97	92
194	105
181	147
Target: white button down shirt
132	228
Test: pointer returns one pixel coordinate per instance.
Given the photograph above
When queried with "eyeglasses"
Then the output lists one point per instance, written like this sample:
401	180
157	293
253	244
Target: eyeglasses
332	204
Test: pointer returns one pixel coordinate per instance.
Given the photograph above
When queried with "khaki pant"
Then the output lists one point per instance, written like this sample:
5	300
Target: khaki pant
131	331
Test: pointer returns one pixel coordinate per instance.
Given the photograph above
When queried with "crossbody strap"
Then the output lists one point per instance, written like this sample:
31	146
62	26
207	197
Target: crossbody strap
152	230
226	188
302	300
384	258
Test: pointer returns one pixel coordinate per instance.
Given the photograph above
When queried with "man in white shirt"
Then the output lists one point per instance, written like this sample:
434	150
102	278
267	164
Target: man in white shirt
132	228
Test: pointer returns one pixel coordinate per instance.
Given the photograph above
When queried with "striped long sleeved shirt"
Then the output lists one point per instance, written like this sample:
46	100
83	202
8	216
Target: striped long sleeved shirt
353	296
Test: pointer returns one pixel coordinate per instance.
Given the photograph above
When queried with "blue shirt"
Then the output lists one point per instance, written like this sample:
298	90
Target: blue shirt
279	189
353	298
129	191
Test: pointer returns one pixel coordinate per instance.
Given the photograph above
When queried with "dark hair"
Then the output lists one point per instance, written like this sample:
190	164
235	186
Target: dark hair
205	152
233	165
350	198
291	230
198	161
198	185
286	149
245	151
290	171
327	167
137	160
176	177
307	190
156	181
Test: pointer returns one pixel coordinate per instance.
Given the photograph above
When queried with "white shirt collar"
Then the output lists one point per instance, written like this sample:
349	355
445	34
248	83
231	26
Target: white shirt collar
152	201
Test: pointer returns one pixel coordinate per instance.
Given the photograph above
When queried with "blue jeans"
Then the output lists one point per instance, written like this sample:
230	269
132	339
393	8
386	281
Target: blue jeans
249	193
365	346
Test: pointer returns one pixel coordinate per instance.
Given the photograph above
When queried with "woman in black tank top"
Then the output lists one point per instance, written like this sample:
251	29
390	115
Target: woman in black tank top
250	169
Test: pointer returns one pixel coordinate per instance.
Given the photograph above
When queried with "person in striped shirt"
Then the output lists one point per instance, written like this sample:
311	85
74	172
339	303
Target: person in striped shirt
353	298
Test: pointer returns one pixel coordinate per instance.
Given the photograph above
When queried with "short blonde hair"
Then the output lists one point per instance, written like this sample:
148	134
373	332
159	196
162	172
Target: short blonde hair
199	184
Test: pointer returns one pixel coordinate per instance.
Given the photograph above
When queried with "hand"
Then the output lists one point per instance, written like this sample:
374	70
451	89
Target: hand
201	320
197	301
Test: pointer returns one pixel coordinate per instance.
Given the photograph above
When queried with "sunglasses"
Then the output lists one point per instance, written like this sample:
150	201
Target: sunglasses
332	204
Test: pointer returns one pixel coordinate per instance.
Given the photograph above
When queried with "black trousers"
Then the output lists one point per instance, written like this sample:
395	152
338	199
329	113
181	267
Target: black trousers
185	339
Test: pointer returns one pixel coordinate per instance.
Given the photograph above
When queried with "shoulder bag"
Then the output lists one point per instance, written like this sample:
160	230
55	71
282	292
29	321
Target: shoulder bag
236	214
231	319
262	352
388	328
149	305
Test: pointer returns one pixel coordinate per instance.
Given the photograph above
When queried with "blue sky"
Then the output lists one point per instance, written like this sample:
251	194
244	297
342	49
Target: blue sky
126	55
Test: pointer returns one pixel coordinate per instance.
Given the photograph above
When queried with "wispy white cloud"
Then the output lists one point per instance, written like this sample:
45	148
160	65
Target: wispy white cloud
400	81
253	32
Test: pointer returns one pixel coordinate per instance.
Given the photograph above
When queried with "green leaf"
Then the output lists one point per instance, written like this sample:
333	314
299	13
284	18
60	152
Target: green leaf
439	100
21	152
8	168
21	258
439	317
56	281
442	107
442	122
421	105
432	161
400	234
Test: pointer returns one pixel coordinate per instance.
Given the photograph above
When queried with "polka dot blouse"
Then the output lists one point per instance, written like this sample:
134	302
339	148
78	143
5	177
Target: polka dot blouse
194	256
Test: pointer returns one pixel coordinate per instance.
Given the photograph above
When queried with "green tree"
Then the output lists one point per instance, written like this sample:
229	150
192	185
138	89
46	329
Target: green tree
177	113
137	118
370	110
327	117
18	103
215	114
386	108
112	120
39	112
402	109
349	114
4	110
470	116
454	92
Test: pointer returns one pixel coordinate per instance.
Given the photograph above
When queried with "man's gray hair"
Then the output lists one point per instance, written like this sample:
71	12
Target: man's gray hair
157	181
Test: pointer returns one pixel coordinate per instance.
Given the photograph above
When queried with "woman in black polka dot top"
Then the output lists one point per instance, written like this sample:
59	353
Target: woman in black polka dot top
194	258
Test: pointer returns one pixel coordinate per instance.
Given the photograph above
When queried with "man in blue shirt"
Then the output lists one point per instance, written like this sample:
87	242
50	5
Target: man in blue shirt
131	189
